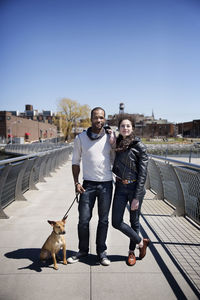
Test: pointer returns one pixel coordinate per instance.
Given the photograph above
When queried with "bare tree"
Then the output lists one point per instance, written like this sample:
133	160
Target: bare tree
71	114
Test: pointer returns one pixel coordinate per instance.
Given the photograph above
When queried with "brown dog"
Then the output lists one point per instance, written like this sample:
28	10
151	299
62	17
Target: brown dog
54	243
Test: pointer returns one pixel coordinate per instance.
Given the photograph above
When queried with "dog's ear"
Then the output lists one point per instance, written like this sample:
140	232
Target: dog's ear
51	222
64	219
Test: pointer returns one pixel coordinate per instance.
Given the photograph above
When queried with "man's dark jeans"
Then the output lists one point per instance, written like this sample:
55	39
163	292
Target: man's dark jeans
103	192
124	193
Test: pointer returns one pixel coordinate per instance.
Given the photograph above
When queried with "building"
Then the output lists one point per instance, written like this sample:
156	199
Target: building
160	130
189	129
146	126
25	127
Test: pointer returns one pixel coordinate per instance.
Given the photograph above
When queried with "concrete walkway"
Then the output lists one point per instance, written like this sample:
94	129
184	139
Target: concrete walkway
170	270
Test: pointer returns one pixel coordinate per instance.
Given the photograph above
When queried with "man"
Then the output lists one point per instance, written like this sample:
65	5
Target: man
93	148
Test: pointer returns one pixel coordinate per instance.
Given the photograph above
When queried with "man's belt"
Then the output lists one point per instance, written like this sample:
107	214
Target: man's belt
125	181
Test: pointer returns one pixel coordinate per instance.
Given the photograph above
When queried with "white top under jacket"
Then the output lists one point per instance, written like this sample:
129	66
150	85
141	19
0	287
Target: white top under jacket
95	156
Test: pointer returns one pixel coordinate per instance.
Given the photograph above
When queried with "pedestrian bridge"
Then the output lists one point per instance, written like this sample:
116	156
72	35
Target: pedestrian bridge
170	270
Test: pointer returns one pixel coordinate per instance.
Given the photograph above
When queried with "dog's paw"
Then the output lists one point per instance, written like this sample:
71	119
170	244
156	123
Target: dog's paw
65	262
55	267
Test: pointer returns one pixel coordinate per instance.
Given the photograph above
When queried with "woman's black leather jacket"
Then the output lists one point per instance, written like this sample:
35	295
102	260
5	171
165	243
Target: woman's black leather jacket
132	164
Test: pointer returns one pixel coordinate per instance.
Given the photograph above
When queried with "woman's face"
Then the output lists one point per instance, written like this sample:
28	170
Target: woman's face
125	128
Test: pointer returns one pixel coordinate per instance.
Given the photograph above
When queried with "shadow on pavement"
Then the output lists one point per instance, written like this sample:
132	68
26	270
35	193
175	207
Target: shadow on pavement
33	254
164	268
92	259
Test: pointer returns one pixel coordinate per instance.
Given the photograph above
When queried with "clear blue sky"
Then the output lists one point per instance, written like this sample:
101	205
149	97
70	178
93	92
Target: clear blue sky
145	53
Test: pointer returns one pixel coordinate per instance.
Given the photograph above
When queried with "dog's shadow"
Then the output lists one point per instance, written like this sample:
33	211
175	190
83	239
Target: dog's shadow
36	265
33	255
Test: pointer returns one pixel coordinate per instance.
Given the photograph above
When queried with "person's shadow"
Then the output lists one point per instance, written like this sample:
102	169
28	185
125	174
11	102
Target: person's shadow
36	265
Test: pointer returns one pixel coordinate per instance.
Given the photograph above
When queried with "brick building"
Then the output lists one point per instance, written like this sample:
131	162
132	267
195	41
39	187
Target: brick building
159	130
189	129
13	126
147	126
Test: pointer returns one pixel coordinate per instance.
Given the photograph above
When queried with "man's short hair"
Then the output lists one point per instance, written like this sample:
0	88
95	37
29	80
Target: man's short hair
97	108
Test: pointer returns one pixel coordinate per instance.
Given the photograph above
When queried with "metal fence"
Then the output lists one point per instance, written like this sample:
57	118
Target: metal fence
17	175
178	183
188	152
55	140
174	181
31	148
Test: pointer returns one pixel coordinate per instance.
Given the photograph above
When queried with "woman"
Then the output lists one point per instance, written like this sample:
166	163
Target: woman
130	168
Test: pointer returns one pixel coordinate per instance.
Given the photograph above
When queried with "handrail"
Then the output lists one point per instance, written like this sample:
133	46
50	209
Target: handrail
26	156
19	174
170	180
174	161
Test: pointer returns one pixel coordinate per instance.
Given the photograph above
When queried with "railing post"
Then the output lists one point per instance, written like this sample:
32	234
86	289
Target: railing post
3	178
147	183
180	206
48	166
37	166
155	179
60	158
42	169
18	190
52	162
32	185
56	160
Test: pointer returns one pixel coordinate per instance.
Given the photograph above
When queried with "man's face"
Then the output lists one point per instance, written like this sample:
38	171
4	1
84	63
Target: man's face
98	119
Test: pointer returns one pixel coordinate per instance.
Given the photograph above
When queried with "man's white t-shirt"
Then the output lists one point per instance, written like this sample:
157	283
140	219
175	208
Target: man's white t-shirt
95	156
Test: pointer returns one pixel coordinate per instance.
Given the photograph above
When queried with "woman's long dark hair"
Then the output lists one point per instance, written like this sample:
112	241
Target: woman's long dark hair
122	144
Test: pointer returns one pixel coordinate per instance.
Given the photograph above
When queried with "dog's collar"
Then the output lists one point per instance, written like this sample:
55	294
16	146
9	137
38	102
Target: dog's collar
58	233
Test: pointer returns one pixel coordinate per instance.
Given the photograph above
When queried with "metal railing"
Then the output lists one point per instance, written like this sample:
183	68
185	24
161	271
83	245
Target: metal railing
186	151
176	182
19	174
31	148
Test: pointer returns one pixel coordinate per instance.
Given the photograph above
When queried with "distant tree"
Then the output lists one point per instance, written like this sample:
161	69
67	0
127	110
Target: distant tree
85	123
71	115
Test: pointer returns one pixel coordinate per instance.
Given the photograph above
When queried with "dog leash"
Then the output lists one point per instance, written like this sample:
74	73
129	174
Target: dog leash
75	199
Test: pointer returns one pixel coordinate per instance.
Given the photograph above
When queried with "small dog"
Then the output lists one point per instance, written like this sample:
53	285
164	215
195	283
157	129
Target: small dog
54	243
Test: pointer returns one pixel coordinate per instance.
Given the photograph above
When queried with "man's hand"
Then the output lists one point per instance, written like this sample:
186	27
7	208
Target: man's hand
79	188
134	204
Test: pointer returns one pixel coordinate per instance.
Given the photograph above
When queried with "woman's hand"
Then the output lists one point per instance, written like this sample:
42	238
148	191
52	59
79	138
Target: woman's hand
134	204
112	138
